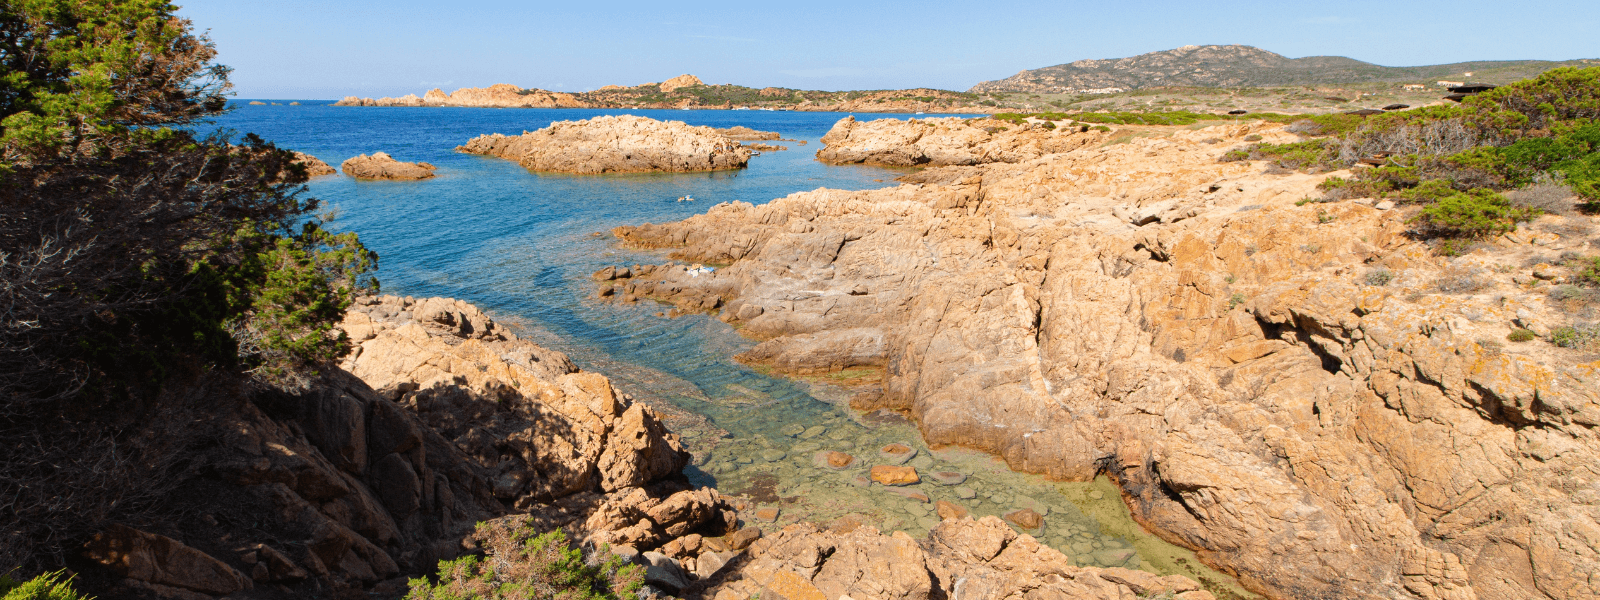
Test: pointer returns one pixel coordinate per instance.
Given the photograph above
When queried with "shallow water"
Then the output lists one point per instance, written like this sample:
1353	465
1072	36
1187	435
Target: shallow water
523	245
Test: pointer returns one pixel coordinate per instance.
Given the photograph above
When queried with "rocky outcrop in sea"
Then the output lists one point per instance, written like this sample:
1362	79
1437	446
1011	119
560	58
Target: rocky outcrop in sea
1301	392
383	166
616	144
314	166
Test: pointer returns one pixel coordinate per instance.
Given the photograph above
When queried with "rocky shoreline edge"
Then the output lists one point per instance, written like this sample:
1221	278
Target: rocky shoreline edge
441	419
1298	390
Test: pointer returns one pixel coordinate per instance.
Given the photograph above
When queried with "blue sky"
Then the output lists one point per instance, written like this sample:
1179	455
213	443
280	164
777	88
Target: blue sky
333	48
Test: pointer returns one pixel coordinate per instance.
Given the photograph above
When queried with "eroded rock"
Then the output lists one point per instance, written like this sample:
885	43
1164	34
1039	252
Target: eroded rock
383	166
616	144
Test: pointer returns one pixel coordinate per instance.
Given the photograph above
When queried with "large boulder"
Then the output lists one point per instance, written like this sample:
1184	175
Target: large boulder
383	166
616	144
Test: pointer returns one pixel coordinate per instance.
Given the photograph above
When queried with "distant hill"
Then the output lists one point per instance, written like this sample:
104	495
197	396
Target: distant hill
1247	66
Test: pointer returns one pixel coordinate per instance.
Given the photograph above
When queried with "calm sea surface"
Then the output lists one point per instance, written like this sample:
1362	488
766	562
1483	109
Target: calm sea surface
521	246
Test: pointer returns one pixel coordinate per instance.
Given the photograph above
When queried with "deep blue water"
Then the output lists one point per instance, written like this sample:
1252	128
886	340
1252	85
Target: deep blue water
522	246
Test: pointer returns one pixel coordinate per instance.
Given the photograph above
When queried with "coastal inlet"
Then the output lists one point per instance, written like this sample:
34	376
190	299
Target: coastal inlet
523	245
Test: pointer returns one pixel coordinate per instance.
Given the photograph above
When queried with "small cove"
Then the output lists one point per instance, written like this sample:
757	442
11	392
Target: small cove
523	245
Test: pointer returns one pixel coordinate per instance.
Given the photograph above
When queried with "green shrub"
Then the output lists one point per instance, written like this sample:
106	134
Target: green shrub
1521	335
1579	337
1308	154
1474	214
49	586
1235	300
525	565
1587	271
1379	277
1339	188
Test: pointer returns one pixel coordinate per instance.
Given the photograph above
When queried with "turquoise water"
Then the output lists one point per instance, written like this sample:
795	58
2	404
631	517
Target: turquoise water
522	246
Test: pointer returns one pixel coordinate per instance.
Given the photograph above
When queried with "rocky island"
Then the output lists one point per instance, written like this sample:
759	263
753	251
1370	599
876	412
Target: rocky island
1301	390
314	166
383	166
616	144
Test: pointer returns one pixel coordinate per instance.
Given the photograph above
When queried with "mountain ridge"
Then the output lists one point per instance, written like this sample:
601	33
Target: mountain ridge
1237	65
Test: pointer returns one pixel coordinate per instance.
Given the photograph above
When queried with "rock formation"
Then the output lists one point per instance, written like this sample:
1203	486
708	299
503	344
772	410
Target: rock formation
615	144
960	558
947	141
383	166
1304	394
681	81
448	421
314	166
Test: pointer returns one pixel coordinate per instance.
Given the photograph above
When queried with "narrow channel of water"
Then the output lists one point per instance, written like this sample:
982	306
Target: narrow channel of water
523	245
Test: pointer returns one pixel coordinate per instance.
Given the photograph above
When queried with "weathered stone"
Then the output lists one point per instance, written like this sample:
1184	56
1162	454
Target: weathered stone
791	586
947	477
616	144
1026	518
949	510
383	166
160	560
835	460
897	454
742	538
892	475
663	571
767	514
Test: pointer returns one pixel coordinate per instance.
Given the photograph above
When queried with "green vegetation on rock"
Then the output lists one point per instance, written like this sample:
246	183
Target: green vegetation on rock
49	586
523	564
1455	160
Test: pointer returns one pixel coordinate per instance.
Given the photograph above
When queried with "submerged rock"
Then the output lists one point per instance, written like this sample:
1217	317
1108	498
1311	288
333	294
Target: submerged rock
892	475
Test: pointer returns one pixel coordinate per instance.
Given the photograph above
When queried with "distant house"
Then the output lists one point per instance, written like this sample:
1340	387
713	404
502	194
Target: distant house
1450	83
1414	87
1109	90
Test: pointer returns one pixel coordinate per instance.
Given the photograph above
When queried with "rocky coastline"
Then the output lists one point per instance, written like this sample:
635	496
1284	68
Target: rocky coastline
616	144
441	419
1301	393
687	92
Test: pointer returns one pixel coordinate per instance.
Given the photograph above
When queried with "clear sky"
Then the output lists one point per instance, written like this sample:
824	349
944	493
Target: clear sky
316	49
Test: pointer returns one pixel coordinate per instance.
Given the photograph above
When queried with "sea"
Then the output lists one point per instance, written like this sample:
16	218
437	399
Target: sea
523	245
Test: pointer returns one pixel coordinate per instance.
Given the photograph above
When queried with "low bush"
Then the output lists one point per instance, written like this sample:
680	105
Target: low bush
1547	196
1578	337
1474	214
1379	277
1314	154
1521	335
49	586
1586	271
523	564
